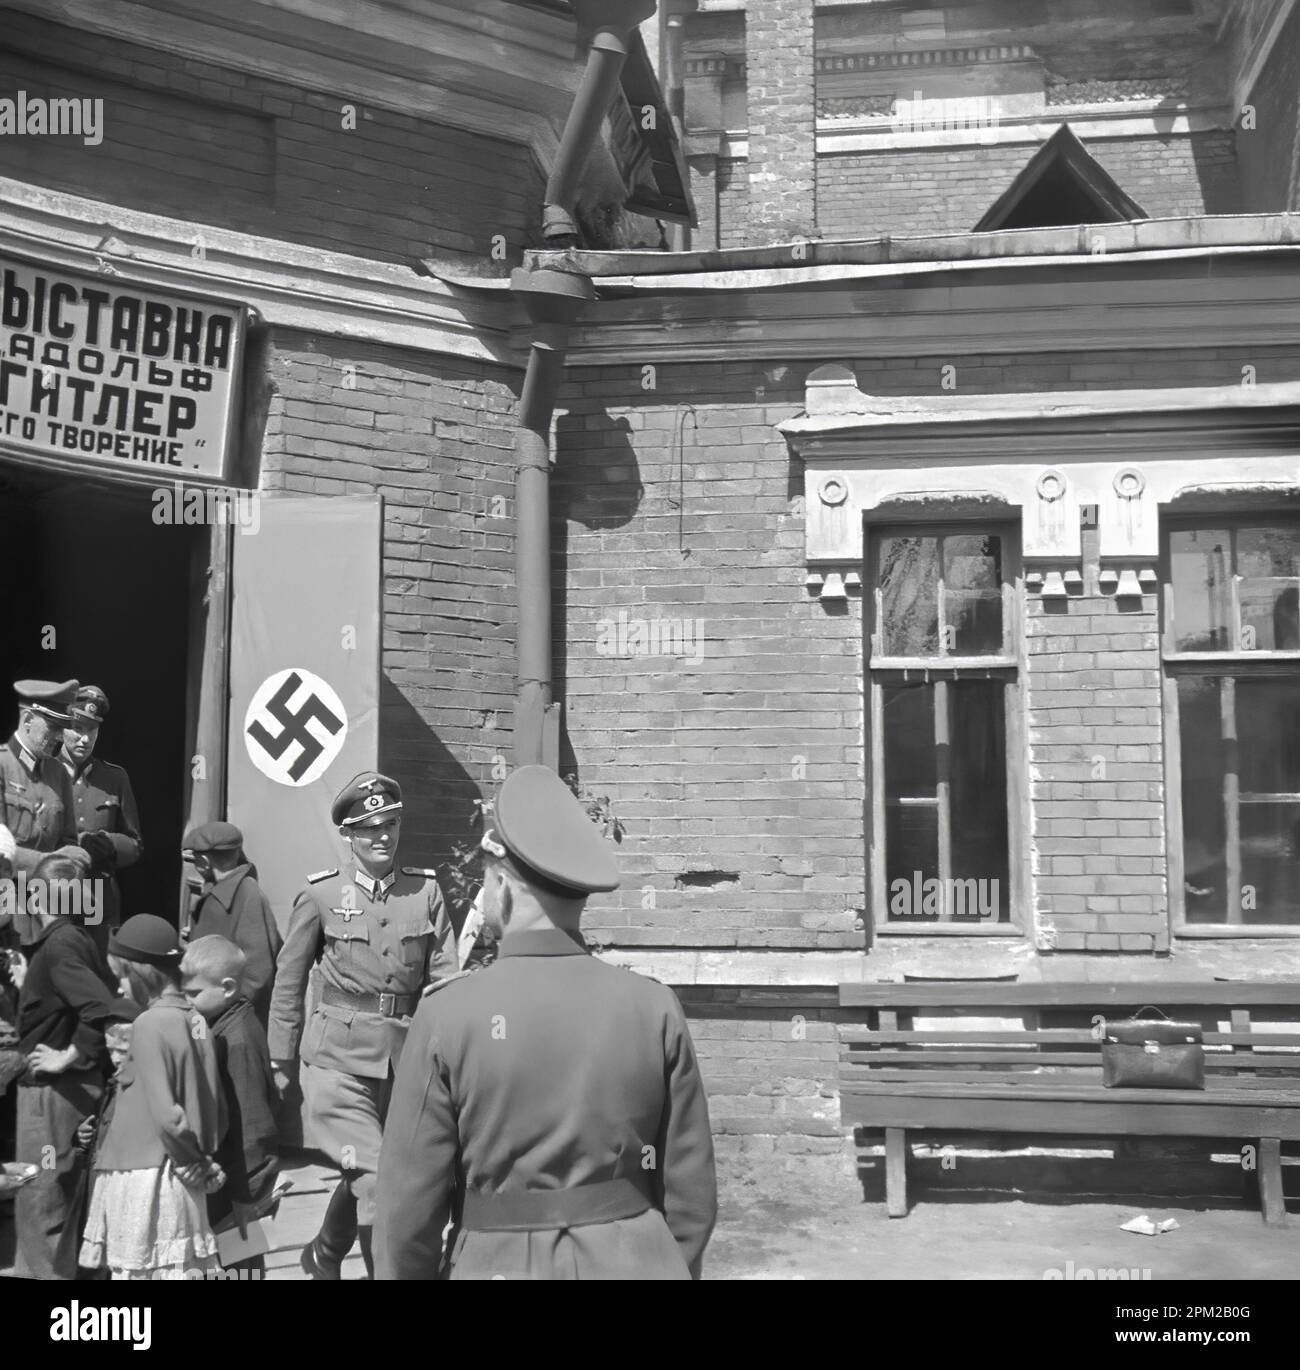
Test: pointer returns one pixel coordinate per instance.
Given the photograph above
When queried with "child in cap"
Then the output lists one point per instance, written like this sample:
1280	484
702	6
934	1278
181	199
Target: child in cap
148	1216
233	906
211	975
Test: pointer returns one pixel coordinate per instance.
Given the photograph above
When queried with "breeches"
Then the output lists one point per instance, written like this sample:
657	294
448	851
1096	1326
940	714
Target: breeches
347	1115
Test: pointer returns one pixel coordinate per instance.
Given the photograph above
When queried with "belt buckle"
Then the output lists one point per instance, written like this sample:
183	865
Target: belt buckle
388	1005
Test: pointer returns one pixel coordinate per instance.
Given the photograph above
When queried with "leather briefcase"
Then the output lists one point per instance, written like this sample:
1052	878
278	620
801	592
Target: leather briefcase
1152	1053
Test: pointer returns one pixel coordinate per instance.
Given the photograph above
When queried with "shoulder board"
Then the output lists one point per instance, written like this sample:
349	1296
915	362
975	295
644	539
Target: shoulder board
321	875
420	870
443	983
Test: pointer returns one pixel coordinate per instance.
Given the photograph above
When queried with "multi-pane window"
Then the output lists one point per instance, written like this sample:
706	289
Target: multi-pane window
1232	658
941	667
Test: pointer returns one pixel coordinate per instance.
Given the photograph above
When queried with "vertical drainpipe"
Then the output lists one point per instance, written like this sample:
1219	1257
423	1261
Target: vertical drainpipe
553	300
679	235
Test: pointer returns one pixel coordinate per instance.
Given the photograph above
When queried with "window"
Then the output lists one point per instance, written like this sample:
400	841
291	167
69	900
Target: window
1232	667
942	682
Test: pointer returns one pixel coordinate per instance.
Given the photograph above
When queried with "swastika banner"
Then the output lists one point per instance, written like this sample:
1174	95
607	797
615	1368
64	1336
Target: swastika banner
304	679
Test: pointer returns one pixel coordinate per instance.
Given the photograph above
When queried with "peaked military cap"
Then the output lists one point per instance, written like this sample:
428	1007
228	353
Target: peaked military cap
541	825
365	797
148	938
47	698
90	705
214	836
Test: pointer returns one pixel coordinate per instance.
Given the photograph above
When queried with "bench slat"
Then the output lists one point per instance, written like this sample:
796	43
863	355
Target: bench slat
916	1060
1246	1118
1026	1082
1098	1094
1069	994
850	1032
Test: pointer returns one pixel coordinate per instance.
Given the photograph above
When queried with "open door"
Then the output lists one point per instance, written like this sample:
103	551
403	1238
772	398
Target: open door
304	678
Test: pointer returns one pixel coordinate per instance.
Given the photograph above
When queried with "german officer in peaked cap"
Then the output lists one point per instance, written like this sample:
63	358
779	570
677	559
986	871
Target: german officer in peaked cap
379	934
104	811
551	1103
35	793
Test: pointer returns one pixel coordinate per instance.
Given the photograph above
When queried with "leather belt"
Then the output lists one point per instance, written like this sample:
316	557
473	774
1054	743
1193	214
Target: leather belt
532	1210
386	1005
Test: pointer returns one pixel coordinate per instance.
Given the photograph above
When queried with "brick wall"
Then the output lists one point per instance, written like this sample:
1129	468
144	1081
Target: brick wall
1096	768
733	202
434	436
782	151
199	141
739	776
771	1078
947	190
1270	150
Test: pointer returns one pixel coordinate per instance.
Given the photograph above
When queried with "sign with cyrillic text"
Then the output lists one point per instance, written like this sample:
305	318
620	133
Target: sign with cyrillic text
97	371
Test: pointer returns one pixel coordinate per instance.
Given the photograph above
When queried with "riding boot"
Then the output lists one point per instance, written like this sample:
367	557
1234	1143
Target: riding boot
364	1235
323	1257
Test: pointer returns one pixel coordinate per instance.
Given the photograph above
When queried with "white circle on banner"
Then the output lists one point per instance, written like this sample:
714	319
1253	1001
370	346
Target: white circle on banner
294	727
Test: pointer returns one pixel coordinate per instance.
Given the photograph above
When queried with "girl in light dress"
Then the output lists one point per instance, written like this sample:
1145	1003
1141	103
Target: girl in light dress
148	1215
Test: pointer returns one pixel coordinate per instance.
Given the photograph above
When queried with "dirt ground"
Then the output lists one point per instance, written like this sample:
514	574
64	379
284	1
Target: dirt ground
976	1237
986	1238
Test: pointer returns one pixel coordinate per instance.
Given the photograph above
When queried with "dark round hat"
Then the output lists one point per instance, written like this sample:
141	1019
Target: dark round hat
541	824
47	697
146	937
89	705
215	836
365	797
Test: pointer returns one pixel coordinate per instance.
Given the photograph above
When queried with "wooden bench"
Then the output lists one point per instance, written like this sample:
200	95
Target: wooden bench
1044	1076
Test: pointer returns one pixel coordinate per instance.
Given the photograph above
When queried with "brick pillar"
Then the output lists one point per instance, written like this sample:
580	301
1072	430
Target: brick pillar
1096	767
702	159
781	81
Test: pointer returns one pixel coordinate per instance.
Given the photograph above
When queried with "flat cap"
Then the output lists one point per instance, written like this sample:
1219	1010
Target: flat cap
543	827
364	798
46	697
215	836
146	937
89	705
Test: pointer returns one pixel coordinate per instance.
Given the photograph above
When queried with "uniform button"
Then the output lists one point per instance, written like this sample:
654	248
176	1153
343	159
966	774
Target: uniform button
388	980
383	922
388	951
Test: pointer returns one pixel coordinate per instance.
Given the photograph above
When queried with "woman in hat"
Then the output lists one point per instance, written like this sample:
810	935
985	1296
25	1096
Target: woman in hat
148	1218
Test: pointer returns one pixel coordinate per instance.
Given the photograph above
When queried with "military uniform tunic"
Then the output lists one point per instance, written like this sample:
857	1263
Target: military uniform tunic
36	804
103	801
367	938
549	1070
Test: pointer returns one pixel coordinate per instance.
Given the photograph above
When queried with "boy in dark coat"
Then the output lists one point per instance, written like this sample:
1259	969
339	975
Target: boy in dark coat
211	976
233	906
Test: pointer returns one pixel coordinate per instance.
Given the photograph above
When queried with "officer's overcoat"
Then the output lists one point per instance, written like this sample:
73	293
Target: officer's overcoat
548	1070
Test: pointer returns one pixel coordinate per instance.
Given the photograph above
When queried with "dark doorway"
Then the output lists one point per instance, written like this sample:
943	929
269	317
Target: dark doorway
92	588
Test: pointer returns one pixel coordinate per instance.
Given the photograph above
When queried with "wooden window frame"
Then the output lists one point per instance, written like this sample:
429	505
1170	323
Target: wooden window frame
1227	665
1008	666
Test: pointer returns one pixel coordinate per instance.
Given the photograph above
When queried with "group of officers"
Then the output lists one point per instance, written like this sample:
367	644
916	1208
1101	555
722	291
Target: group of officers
539	1117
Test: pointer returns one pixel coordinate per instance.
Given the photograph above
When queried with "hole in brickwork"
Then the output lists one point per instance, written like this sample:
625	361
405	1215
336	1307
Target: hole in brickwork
705	880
